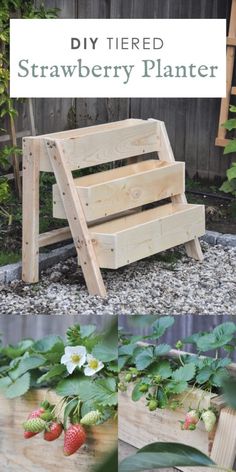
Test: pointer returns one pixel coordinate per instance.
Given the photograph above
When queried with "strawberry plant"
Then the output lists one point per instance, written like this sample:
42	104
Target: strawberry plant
229	186
160	377
81	370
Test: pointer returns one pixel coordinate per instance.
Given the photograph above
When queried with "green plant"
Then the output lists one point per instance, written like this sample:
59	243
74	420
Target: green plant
159	377
229	186
21	9
82	371
162	455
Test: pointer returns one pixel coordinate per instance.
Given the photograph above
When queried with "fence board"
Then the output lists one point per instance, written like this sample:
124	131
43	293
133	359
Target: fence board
191	123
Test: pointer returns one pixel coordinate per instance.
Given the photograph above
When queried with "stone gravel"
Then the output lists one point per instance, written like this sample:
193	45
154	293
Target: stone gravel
169	283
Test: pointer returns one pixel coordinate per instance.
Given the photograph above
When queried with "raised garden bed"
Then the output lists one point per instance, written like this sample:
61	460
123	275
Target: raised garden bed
149	412
17	454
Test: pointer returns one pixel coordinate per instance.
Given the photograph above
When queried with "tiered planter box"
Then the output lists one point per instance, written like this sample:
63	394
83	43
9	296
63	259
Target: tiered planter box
139	427
18	454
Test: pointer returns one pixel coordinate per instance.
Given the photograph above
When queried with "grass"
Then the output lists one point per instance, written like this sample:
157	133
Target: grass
9	258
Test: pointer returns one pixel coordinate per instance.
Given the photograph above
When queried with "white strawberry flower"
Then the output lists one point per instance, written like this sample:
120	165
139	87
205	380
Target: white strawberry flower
93	365
75	356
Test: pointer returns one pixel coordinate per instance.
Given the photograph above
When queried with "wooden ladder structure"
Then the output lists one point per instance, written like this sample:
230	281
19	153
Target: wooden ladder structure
221	139
107	220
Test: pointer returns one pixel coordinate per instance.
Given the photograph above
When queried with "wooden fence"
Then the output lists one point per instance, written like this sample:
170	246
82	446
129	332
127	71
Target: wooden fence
191	123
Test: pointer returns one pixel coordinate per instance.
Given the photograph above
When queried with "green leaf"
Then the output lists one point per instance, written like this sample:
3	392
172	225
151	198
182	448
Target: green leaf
27	364
231	173
204	375
19	387
87	330
230	124
185	373
145	358
122	361
105	352
161	368
162	349
56	371
68	410
220	336
232	108
136	394
103	391
72	386
163	455
5	382
47	344
230	147
127	349
161	325
177	387
226	187
16	351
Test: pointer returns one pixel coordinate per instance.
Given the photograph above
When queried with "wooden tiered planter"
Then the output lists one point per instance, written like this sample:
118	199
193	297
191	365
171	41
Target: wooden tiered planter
106	212
139	427
18	454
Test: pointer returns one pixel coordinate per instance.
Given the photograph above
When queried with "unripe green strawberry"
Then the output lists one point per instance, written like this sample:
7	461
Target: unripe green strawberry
157	379
34	425
47	416
122	387
209	419
143	388
192	417
152	405
179	345
128	377
75	437
53	431
91	418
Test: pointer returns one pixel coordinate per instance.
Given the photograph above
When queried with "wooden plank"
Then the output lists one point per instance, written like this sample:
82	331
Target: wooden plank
225	102
30	248
165	153
54	236
110	143
222	142
123	188
233	91
17	454
224	445
19	134
161	424
76	220
231	41
128	239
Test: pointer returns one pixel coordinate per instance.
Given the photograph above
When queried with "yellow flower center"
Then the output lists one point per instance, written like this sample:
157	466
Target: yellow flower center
93	364
75	358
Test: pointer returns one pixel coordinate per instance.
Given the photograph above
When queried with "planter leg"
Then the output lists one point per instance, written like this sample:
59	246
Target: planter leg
76	219
193	247
30	246
224	445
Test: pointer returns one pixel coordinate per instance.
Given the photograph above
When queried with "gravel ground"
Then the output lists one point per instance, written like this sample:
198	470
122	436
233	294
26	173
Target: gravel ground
168	283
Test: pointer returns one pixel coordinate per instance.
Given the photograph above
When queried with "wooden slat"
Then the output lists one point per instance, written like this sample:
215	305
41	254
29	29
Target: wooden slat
30	248
18	454
193	247
132	238
54	236
225	102
106	145
140	427
224	446
222	142
233	91
231	41
131	186
19	134
76	220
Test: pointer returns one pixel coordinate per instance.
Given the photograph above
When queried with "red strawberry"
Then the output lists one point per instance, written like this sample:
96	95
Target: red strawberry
55	430
28	434
75	437
34	414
